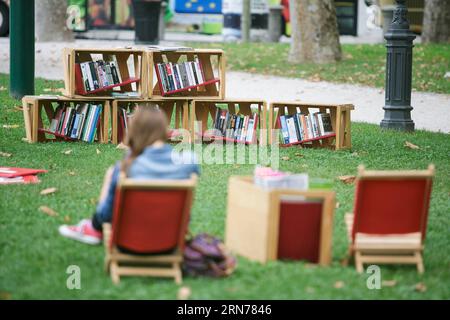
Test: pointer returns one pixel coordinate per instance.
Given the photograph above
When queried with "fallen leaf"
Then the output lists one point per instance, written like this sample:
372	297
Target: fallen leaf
98	151
411	145
11	126
285	158
48	191
93	201
67	152
71	173
298	154
122	146
184	293
310	290
304	165
48	211
420	287
5	154
337	205
2	88
25	140
66	219
388	283
339	284
355	154
347	179
5	295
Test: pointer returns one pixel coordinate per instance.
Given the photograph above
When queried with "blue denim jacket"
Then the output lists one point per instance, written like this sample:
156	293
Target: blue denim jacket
154	163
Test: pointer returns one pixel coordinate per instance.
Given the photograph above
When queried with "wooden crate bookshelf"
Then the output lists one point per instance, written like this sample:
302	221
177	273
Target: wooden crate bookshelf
259	226
177	112
340	121
212	63
38	112
132	64
205	111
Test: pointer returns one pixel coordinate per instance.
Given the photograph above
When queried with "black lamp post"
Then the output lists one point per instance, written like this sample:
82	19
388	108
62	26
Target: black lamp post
397	109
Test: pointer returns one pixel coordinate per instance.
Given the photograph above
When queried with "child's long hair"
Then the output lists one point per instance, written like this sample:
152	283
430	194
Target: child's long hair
147	126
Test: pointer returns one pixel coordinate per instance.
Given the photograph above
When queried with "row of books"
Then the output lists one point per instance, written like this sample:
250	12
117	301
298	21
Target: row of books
236	127
300	127
79	122
97	74
176	76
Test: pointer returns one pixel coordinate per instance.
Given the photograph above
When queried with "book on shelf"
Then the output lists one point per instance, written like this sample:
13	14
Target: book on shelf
300	127
78	122
124	118
94	75
178	76
236	127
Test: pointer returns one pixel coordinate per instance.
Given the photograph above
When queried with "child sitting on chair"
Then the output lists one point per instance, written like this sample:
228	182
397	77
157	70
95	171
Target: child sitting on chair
149	157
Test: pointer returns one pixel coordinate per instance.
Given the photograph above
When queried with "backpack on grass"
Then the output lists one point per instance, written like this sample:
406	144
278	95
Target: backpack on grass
206	255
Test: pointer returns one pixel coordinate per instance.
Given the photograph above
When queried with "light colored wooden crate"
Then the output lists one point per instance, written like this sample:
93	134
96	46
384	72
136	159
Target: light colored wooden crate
178	108
205	110
253	214
139	61
37	107
340	120
213	64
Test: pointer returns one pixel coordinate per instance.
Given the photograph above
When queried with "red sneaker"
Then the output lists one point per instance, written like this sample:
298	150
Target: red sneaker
83	232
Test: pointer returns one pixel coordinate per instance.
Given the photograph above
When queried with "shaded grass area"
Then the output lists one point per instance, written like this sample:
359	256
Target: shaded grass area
361	64
34	258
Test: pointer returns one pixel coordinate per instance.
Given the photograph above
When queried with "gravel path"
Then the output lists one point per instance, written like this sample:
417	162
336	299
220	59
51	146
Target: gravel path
431	111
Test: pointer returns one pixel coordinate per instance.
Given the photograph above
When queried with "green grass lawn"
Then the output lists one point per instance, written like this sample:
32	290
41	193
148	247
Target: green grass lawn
361	64
34	258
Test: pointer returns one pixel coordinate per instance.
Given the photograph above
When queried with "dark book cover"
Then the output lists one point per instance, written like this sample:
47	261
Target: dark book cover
195	73
326	121
94	75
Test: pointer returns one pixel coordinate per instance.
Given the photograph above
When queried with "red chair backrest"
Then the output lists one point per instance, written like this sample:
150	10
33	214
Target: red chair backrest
150	220
300	230
391	206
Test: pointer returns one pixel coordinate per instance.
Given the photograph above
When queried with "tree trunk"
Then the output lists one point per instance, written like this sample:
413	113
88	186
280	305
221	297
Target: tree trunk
50	21
315	35
436	22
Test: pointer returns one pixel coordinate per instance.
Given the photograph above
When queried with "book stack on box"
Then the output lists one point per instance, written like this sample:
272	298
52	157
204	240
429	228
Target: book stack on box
94	75
178	76
270	179
9	175
78	123
236	127
299	127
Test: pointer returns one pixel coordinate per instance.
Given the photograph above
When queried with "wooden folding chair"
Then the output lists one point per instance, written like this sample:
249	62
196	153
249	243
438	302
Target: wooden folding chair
150	220
390	217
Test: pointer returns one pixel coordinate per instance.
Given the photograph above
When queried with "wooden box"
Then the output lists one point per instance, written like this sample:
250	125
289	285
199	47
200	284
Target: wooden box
132	64
205	112
265	225
38	112
177	112
340	121
212	63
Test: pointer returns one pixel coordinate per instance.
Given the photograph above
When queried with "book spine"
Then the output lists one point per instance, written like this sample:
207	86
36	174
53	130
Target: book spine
74	132
191	73
195	73
284	130
79	85
180	79
291	129
198	72
297	127
93	74
200	69
161	80
94	124
116	64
